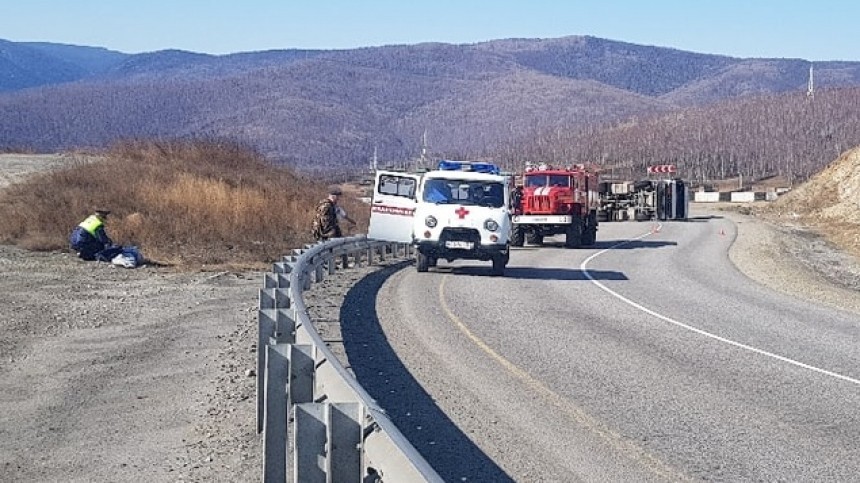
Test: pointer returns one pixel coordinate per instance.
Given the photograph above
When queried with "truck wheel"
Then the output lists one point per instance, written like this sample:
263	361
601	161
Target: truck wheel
499	263
421	262
573	237
590	236
603	215
518	236
534	238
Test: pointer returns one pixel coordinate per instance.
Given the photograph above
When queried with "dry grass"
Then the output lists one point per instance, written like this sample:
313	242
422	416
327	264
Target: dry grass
189	205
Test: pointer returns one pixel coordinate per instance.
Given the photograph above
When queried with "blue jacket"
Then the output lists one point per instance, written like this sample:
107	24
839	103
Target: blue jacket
89	238
437	191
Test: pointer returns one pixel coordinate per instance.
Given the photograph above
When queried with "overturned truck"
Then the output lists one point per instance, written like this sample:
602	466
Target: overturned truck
665	199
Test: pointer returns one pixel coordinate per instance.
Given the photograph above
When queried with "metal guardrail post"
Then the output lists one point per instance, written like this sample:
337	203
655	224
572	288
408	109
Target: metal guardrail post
276	280
275	427
272	324
309	444
337	428
302	374
274	298
330	448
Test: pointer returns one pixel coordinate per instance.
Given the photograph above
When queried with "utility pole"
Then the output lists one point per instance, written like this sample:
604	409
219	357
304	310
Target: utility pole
424	149
810	95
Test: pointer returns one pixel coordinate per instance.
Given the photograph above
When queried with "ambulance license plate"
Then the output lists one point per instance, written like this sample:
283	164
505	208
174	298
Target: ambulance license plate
461	245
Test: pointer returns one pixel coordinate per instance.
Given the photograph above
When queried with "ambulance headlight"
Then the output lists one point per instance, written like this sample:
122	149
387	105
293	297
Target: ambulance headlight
430	221
491	225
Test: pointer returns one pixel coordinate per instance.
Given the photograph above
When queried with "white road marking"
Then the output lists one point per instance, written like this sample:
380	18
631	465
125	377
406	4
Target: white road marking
583	267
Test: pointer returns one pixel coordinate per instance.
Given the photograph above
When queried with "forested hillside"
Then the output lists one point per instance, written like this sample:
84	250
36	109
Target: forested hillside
791	135
332	110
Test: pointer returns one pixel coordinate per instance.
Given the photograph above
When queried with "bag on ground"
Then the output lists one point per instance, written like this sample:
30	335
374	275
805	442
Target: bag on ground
129	257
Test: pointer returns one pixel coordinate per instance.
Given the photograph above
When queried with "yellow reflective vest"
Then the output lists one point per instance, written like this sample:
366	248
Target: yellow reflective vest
91	225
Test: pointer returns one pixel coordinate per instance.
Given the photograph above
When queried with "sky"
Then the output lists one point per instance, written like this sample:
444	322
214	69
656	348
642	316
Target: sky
813	30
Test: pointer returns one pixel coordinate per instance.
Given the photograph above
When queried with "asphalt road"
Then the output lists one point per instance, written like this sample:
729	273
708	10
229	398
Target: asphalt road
647	357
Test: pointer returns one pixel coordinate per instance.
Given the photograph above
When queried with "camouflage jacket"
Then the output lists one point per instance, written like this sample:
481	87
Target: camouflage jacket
325	224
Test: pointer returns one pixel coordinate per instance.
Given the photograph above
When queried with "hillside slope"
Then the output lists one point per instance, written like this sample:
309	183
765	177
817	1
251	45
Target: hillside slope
829	202
332	109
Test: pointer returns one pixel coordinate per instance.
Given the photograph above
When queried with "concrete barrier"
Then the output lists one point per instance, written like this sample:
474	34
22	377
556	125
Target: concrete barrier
743	197
733	197
706	197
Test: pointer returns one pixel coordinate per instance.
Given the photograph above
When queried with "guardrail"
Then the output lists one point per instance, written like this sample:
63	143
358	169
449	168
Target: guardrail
317	423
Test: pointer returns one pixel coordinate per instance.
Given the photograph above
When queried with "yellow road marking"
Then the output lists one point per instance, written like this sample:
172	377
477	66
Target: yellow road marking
577	414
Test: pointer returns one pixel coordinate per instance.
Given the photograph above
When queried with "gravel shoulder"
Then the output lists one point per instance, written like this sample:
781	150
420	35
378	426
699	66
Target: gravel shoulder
795	260
109	374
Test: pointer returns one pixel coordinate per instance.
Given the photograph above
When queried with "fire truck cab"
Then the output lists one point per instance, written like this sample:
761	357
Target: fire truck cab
458	211
556	201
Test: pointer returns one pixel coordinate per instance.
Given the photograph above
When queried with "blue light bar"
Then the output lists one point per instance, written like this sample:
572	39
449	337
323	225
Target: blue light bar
476	166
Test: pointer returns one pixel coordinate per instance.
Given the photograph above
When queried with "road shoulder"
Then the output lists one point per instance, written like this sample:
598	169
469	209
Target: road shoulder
794	260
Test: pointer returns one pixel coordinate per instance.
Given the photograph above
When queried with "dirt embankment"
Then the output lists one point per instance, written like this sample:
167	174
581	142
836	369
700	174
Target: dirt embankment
828	203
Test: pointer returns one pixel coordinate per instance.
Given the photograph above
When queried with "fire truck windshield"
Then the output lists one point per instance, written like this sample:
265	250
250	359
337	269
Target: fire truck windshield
540	180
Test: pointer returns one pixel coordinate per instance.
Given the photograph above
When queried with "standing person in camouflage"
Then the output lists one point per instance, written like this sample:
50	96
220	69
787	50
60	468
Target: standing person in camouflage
325	224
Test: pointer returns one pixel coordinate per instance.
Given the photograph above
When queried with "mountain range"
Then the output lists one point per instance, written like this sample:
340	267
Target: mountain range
333	109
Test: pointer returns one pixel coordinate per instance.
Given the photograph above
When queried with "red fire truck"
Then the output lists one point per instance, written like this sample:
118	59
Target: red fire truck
556	201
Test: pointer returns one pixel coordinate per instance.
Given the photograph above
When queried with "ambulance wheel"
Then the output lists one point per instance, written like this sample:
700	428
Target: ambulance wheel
518	236
422	262
499	263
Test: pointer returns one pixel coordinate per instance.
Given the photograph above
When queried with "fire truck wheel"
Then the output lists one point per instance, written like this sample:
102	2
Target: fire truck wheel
590	236
534	238
422	262
518	236
573	237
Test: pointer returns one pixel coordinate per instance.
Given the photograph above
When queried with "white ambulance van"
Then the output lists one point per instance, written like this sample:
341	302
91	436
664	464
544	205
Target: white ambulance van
458	211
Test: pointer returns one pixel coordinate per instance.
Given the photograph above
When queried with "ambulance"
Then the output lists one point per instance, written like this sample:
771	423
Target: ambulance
460	210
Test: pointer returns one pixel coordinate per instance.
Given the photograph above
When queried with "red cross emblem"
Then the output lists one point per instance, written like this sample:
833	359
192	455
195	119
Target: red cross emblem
461	212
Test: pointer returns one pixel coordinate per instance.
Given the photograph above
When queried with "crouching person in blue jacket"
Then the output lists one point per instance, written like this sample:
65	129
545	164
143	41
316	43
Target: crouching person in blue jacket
91	241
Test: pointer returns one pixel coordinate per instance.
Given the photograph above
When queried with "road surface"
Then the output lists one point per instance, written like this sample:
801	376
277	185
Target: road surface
648	357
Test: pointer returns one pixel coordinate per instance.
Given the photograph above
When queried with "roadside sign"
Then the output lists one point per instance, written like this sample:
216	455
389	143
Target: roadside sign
661	168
